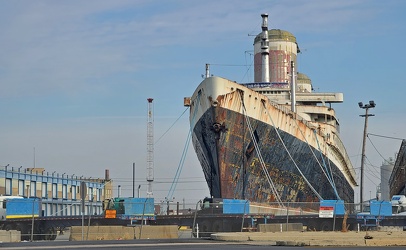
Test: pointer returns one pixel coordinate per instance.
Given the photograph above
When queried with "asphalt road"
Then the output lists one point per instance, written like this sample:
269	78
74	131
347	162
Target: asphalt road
163	244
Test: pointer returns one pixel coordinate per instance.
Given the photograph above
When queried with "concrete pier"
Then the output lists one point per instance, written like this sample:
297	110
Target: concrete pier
307	238
123	232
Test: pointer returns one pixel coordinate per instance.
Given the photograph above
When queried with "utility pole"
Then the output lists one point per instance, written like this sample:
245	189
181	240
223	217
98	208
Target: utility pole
367	106
133	179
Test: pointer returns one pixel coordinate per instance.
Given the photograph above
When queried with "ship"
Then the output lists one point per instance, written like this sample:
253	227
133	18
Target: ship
274	139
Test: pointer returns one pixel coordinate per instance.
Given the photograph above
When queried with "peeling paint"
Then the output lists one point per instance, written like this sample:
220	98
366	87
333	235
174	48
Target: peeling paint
231	153
230	163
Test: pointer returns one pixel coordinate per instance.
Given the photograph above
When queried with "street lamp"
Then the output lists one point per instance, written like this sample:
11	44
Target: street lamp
367	106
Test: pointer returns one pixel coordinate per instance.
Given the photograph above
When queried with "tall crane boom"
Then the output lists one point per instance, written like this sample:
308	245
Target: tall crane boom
150	148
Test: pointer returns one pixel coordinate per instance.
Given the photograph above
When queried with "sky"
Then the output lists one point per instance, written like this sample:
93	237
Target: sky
75	77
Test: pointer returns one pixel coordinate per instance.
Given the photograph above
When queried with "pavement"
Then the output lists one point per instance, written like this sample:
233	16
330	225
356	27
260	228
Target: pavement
310	238
305	238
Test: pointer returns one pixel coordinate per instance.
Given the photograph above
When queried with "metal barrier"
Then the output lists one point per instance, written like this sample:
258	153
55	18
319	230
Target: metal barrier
205	218
210	218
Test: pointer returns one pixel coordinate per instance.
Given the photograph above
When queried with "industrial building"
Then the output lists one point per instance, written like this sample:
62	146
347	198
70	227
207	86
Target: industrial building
59	194
397	180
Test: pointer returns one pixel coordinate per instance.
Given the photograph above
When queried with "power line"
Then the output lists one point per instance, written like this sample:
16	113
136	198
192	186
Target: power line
164	190
159	178
387	137
171	126
372	171
164	182
376	148
230	65
370	179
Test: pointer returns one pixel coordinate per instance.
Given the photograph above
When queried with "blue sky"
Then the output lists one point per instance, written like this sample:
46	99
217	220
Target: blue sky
75	76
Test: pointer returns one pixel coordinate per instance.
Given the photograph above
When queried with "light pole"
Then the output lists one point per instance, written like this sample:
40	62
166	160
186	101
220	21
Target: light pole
367	106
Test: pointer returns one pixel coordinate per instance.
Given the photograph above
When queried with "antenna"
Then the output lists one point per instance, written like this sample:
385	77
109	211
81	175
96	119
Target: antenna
150	148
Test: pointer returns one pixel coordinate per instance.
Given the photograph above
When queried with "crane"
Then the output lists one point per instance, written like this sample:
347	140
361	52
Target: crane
150	148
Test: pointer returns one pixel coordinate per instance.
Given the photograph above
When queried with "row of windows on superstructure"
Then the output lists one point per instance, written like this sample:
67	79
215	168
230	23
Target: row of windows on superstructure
50	190
267	92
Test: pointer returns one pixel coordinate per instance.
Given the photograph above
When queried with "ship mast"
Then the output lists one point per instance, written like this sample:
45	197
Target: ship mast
207	70
265	49
293	87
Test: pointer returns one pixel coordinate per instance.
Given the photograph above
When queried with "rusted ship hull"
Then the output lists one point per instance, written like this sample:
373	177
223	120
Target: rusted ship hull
292	153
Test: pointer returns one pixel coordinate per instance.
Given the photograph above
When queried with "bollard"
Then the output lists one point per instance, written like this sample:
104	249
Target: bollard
197	230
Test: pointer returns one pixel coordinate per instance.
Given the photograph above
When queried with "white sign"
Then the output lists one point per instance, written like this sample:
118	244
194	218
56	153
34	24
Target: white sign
326	212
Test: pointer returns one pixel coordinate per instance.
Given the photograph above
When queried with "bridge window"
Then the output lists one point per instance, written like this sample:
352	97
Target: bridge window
90	194
21	187
73	192
64	191
54	191
44	190
33	189
8	187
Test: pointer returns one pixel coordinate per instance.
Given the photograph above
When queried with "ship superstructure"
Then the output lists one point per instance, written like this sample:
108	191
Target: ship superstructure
273	139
